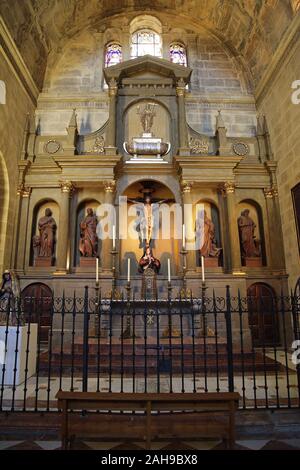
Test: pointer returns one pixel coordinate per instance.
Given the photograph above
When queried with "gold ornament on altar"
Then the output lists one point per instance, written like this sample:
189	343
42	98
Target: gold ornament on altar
198	146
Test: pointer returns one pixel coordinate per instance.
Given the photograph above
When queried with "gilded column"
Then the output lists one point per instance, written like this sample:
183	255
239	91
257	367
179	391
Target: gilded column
277	260
228	191
186	188
110	145
182	127
107	243
23	193
63	245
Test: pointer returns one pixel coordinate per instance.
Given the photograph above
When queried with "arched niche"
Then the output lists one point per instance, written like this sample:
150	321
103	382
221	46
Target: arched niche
163	248
4	206
263	316
212	212
145	22
38	212
161	123
255	213
80	215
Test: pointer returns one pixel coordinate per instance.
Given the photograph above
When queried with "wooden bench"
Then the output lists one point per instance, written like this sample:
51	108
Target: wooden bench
148	402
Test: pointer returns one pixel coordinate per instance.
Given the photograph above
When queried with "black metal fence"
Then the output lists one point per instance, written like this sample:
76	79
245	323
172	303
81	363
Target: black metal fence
165	345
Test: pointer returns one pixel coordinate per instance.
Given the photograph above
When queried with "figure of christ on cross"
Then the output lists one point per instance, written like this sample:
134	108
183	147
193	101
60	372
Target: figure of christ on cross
147	222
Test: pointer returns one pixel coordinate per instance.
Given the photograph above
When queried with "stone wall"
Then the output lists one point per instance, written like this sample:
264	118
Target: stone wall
284	126
12	123
74	78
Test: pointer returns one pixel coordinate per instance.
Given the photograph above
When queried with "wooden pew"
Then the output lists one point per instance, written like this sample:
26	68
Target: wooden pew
148	403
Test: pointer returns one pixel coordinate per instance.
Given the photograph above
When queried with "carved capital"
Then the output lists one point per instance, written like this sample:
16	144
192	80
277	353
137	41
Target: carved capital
227	188
109	186
23	191
186	186
67	187
180	87
112	87
271	192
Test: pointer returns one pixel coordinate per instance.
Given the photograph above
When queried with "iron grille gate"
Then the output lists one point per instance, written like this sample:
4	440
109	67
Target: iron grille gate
163	345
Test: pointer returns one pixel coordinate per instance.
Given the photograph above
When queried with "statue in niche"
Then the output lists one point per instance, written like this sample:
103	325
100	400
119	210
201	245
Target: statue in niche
88	244
205	230
147	116
148	261
148	219
44	244
250	246
10	292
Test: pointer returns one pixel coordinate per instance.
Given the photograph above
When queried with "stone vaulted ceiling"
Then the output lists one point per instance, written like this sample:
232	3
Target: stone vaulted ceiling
252	29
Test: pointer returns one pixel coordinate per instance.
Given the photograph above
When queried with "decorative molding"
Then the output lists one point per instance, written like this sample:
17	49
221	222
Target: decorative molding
23	191
271	192
67	187
240	148
11	53
198	145
227	188
52	146
186	186
109	186
288	42
99	145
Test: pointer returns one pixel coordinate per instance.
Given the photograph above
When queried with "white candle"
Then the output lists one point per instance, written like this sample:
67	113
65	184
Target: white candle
183	236
169	270
128	270
203	268
114	237
97	270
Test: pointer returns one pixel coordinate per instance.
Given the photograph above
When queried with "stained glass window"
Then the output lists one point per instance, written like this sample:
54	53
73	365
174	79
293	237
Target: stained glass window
178	54
145	42
113	54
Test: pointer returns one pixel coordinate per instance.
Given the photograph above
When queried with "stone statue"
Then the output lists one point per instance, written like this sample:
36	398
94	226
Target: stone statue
10	292
88	244
36	243
47	229
205	230
147	116
148	261
250	247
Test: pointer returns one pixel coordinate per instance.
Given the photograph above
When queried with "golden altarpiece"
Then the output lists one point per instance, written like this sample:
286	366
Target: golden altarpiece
231	178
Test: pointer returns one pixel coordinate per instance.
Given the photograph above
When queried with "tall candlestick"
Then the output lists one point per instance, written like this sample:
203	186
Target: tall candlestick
128	270
203	268
169	270
114	237
97	269
183	236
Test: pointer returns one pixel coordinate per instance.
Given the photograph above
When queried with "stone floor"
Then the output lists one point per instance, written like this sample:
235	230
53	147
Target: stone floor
259	444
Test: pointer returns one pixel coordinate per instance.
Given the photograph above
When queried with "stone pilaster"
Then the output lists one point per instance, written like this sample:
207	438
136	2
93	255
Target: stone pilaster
110	144
277	260
23	194
106	248
182	127
63	245
228	192
186	188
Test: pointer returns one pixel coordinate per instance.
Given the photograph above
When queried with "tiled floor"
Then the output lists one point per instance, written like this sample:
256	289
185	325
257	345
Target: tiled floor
285	444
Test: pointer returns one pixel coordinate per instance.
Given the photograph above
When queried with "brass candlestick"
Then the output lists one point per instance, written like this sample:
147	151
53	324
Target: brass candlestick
115	294
97	304
184	291
203	307
127	332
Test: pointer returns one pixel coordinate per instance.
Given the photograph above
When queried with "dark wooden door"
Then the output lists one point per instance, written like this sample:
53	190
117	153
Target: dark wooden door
37	302
263	315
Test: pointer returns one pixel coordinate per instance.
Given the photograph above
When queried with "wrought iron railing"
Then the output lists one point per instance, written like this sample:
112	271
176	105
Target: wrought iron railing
164	345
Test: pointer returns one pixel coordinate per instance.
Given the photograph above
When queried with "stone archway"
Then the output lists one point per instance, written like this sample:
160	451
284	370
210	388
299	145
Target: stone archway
263	315
37	301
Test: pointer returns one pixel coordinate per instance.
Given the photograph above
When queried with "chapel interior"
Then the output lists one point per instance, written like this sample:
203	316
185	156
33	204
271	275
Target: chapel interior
191	105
